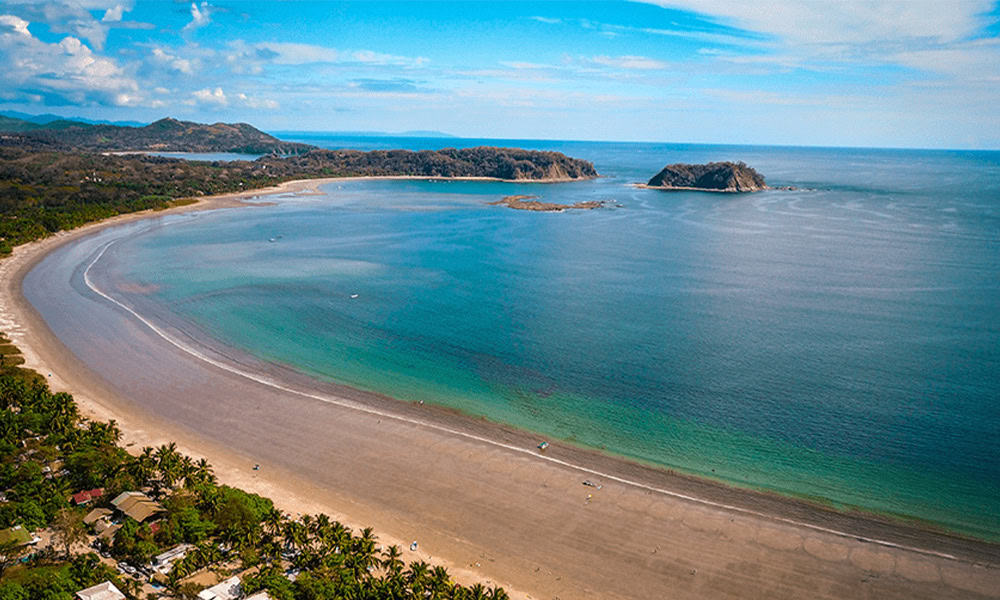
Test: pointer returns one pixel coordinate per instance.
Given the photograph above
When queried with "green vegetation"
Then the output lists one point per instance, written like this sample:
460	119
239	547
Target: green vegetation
165	135
45	192
230	531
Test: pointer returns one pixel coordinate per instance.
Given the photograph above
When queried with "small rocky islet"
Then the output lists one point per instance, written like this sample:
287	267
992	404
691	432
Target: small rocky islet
528	202
710	177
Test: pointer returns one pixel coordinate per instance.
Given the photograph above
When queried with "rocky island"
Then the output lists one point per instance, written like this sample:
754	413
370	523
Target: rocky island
530	203
711	177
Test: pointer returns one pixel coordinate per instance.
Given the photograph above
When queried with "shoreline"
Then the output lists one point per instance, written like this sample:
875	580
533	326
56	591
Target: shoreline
682	188
43	350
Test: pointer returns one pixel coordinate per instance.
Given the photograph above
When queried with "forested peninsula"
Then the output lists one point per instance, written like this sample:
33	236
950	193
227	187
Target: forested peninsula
53	178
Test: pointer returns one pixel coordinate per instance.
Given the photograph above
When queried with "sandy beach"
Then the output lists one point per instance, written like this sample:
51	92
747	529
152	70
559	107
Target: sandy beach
478	497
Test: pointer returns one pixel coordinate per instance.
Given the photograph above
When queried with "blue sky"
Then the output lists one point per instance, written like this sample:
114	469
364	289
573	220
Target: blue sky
843	73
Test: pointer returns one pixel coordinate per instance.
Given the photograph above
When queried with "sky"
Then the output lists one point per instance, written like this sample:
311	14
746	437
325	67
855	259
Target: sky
890	73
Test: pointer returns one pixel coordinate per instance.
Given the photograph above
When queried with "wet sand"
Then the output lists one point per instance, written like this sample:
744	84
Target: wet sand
478	497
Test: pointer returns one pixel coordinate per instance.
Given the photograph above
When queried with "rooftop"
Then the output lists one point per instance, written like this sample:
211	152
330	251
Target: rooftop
101	591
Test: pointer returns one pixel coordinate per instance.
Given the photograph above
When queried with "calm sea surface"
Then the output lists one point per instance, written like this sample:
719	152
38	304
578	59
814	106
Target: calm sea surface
840	342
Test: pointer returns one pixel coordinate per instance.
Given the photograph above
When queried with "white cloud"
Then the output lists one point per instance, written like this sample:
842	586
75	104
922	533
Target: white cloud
640	63
547	20
206	96
251	58
16	24
807	22
60	73
200	16
289	53
250	102
113	14
377	58
218	98
524	65
174	63
71	16
940	39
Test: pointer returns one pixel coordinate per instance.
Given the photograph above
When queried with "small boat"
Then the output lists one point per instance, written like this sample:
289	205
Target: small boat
354	296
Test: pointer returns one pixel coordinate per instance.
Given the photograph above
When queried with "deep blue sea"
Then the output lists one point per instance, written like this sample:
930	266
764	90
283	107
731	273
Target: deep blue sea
839	342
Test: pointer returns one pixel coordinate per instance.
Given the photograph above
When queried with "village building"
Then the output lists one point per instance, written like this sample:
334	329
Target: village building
137	505
230	589
101	591
84	497
162	563
98	514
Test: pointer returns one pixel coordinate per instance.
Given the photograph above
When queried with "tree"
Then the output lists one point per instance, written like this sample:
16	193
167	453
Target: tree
68	529
391	561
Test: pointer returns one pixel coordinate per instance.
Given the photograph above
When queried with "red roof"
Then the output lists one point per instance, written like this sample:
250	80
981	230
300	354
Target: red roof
87	495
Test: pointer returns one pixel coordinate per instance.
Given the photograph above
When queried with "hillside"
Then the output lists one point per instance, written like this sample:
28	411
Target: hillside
499	163
44	192
165	135
716	176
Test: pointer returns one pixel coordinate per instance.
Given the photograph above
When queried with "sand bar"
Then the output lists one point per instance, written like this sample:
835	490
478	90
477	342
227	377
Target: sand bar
477	497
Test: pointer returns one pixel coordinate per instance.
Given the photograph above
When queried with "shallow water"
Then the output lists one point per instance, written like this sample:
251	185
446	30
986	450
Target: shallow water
838	342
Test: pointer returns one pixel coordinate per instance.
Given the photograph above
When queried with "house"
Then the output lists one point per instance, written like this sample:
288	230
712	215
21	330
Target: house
18	535
98	514
101	591
164	562
81	498
106	531
125	496
137	505
261	595
229	589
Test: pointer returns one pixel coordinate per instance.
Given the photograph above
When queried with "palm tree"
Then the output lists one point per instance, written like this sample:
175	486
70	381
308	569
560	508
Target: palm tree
142	467
202	474
104	434
391	561
168	463
477	592
416	577
497	593
440	580
64	413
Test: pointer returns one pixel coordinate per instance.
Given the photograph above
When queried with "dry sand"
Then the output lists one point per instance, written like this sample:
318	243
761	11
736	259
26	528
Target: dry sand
478	497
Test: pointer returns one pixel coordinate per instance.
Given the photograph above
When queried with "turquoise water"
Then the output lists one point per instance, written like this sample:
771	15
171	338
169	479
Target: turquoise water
838	342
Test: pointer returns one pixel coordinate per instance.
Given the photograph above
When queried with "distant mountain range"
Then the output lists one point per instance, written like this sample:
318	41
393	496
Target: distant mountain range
49	118
165	135
417	133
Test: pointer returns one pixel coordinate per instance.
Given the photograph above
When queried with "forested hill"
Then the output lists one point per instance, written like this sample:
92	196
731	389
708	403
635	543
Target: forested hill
44	192
484	161
165	135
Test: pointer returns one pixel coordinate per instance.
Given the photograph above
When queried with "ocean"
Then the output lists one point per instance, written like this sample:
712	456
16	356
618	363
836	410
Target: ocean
839	342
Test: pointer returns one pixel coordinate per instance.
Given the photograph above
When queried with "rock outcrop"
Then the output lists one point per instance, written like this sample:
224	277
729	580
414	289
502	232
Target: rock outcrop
532	204
714	177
